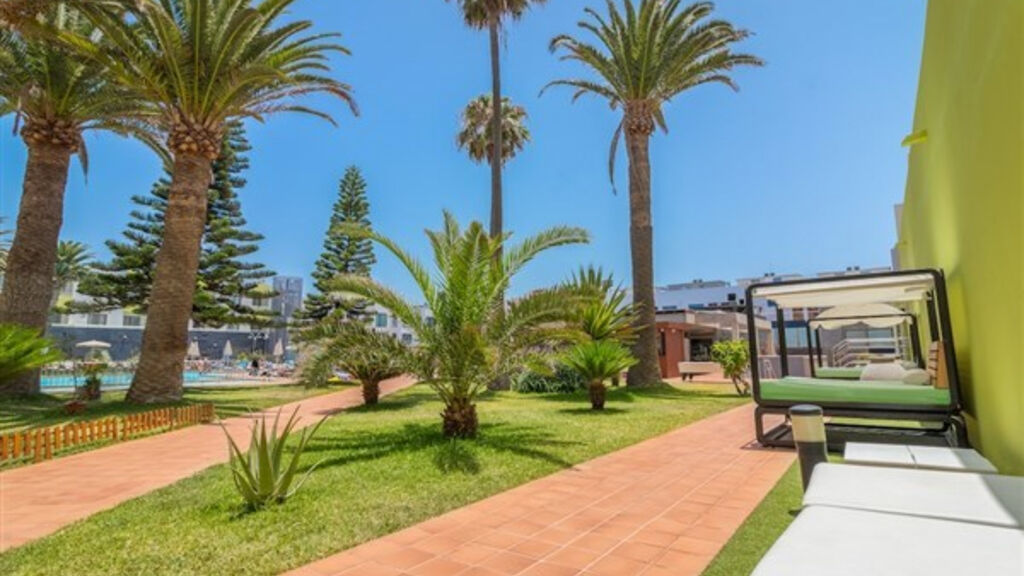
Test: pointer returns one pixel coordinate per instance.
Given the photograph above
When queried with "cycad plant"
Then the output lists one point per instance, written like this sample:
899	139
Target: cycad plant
369	356
196	65
56	95
469	338
23	350
475	133
264	474
597	361
642	59
605	312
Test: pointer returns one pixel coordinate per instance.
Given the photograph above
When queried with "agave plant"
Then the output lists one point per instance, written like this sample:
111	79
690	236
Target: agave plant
597	361
22	349
263	474
370	356
473	338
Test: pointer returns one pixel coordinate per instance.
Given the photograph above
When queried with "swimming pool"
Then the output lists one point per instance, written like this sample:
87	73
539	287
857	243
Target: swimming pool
119	379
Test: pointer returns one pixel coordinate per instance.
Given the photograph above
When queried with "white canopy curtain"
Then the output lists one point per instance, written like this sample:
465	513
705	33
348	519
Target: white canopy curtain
868	290
873	315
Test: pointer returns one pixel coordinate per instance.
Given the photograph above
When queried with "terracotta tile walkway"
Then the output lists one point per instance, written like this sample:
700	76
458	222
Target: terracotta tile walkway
659	508
39	499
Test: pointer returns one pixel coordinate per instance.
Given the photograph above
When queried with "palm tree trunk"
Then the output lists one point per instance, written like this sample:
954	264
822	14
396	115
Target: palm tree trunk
165	340
28	282
497	224
641	241
596	390
371	392
459	419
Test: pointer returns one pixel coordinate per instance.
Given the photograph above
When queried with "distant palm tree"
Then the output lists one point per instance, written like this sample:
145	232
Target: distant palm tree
470	339
475	133
73	263
55	95
198	64
643	59
489	15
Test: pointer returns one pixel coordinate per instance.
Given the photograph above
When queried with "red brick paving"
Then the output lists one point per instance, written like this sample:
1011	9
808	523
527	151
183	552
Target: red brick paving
40	499
663	507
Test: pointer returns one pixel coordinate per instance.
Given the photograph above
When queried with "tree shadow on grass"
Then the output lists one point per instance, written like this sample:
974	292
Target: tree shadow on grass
587	411
351	446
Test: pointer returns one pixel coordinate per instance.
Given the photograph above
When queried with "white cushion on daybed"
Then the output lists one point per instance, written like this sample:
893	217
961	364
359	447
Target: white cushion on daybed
890	371
917	377
965	497
825	541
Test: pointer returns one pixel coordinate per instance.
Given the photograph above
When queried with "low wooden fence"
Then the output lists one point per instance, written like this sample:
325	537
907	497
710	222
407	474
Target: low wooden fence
38	444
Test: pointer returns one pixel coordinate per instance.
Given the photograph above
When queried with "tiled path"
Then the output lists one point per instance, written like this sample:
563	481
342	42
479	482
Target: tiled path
663	507
39	499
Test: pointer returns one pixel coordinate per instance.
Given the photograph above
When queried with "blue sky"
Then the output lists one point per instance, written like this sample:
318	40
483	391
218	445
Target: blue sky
798	172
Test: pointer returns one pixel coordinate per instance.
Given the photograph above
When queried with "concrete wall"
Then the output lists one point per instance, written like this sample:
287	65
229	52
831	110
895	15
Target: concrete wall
963	210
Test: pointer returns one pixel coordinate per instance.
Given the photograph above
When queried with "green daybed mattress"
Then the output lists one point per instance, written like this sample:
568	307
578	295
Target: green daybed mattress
811	390
844	373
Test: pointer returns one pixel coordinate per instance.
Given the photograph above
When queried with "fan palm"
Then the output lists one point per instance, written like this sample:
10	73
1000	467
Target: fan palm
489	15
197	65
56	95
475	133
643	58
472	339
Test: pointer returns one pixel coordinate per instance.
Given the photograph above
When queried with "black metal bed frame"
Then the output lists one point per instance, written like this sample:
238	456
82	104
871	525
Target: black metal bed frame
952	430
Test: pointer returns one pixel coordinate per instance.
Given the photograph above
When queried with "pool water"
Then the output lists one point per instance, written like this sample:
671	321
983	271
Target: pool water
116	379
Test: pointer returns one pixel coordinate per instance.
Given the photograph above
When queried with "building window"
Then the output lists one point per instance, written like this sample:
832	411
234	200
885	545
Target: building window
257	302
132	320
381	321
58	319
406	338
661	344
97	320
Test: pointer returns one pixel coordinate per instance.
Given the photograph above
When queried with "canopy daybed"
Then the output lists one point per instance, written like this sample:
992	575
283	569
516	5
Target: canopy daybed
914	299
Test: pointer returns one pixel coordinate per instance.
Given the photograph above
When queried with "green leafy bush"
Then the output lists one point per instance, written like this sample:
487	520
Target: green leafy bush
563	380
734	358
263	474
23	349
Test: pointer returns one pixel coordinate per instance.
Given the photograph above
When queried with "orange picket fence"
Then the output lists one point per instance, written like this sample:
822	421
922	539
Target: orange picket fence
38	444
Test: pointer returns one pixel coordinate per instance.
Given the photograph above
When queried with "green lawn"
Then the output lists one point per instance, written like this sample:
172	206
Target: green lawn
47	410
382	469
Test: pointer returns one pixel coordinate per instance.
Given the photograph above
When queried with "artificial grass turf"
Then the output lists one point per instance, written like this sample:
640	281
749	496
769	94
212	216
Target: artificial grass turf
48	409
382	468
761	529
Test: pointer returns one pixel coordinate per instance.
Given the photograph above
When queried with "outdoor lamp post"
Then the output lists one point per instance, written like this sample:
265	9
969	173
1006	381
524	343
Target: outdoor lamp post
809	435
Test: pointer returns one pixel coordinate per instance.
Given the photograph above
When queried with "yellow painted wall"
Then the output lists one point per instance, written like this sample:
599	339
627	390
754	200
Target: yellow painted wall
963	210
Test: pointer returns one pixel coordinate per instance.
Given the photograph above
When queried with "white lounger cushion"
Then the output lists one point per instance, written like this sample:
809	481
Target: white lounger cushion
826	541
977	498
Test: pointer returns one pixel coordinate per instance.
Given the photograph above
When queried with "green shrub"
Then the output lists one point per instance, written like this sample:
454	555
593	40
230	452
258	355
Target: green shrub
734	358
597	361
263	475
562	380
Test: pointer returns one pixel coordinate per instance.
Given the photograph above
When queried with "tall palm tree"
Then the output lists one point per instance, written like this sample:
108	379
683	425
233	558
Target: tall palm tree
56	96
471	339
475	133
489	15
643	58
197	65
